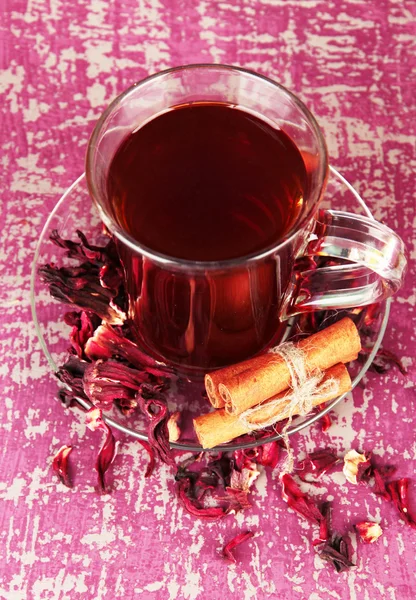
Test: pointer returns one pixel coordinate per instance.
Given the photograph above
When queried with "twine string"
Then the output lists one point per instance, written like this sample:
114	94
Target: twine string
305	387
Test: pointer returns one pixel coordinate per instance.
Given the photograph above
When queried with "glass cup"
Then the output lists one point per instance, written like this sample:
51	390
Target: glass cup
201	315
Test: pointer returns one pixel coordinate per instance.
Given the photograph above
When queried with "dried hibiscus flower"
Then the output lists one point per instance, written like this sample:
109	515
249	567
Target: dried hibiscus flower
151	453
299	501
213	487
227	551
83	250
106	257
108	343
325	420
317	463
192	504
380	475
270	454
60	465
369	531
108	450
158	434
325	524
81	287
266	454
106	381
357	466
398	491
337	552
83	325
71	374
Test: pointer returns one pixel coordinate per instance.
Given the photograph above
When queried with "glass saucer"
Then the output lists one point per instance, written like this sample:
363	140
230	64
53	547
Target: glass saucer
76	211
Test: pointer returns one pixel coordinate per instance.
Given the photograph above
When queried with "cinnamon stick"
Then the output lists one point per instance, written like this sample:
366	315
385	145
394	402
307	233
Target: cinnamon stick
265	376
213	380
219	427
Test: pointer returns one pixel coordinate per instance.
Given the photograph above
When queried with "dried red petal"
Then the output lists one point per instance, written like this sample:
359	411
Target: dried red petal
325	420
336	551
270	454
60	465
193	506
236	499
81	286
158	433
317	463
108	450
205	481
245	457
215	490
83	325
325	524
398	491
364	470
368	531
267	454
357	467
83	250
111	277
244	479
380	485
107	343
72	374
151	453
236	541
106	381
299	501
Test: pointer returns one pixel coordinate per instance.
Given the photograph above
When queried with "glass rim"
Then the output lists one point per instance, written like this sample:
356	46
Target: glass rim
186	264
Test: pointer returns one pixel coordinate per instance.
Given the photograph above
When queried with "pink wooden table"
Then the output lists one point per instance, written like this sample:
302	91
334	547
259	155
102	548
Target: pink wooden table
61	63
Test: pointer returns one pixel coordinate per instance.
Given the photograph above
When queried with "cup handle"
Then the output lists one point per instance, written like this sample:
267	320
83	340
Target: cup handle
375	271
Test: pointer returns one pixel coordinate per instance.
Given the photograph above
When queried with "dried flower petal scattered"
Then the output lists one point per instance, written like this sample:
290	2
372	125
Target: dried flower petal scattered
336	551
108	450
369	531
299	501
72	374
158	434
80	286
60	465
227	551
83	325
107	381
152	460
317	463
399	495
107	342
213	487
355	464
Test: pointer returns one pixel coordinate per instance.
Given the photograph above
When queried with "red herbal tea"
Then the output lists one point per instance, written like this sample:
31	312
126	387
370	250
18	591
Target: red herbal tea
206	182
